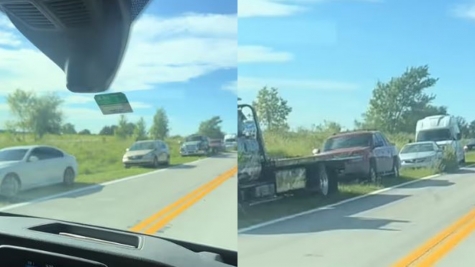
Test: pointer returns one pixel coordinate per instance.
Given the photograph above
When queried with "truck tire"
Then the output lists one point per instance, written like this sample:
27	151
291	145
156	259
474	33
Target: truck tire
395	170
372	173
328	181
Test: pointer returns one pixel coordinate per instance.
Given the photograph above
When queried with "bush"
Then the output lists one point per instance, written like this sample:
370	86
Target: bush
449	162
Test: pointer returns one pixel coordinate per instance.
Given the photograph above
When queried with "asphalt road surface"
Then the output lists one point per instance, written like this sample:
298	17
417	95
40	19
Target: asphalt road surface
194	202
427	223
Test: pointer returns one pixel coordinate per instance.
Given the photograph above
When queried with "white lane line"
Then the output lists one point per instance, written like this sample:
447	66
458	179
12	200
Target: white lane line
87	188
286	218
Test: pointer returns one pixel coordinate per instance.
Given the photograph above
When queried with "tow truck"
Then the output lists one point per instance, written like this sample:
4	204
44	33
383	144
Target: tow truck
263	179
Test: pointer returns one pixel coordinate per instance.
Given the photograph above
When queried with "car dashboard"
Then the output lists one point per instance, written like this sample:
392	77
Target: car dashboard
38	242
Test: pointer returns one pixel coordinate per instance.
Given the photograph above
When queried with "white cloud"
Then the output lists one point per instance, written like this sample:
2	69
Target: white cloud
231	86
79	99
267	8
254	84
466	11
280	8
255	53
160	50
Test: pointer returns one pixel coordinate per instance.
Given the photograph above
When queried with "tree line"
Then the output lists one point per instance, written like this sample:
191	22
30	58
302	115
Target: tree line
395	106
41	115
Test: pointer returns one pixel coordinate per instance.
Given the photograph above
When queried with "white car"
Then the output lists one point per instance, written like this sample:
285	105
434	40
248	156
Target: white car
420	155
27	167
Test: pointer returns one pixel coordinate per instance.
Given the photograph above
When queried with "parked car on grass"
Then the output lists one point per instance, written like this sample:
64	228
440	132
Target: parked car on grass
147	153
470	146
377	156
421	155
19	167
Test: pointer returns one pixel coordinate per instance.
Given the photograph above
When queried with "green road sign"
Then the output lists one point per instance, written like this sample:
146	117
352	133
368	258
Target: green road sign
113	103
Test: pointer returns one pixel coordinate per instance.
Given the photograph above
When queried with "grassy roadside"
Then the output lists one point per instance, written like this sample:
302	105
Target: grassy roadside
288	206
99	159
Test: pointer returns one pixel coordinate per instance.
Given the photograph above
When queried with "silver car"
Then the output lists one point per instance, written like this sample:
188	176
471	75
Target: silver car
147	153
28	167
420	155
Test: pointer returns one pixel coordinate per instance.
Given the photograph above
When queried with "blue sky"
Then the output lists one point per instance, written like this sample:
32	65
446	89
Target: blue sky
181	56
325	56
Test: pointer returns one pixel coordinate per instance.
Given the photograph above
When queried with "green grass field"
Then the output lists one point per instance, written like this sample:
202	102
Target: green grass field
99	158
299	144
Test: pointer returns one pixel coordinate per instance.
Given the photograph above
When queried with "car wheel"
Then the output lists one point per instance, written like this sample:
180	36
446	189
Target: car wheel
10	185
324	181
155	162
126	166
373	174
167	163
69	176
395	171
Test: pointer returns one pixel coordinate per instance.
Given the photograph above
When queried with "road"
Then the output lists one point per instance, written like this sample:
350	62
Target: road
392	228
182	202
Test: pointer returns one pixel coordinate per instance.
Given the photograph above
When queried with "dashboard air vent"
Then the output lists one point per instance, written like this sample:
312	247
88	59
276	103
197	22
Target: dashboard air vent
29	14
72	13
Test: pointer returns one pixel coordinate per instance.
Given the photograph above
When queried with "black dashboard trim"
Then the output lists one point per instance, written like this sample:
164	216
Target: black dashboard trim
16	230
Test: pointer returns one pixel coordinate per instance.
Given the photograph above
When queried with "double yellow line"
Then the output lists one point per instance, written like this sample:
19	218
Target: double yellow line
436	248
157	221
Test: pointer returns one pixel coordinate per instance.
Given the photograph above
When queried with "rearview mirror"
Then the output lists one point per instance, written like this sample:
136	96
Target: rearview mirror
33	159
87	40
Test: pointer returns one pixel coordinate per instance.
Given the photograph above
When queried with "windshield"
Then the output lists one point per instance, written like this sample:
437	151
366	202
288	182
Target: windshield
12	154
347	141
142	146
434	135
414	148
179	75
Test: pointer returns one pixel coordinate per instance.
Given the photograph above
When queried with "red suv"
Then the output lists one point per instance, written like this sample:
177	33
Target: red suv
375	155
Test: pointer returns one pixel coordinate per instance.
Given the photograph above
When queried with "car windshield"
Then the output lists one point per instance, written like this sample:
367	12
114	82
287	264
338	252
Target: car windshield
142	146
179	76
414	148
12	154
434	135
347	141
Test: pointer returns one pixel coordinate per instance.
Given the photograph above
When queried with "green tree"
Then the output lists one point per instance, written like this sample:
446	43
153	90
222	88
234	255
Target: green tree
140	132
160	126
68	128
107	130
211	128
123	127
329	127
36	114
463	126
397	105
471	129
84	132
272	109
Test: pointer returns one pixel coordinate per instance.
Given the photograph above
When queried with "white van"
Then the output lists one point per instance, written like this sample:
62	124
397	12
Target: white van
442	129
